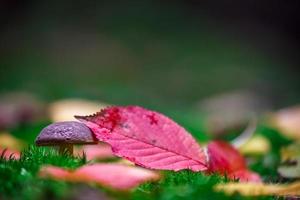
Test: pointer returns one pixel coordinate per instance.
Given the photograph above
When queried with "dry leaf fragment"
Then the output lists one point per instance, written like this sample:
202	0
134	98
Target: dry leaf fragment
290	158
290	152
259	189
291	170
111	175
246	189
64	110
292	189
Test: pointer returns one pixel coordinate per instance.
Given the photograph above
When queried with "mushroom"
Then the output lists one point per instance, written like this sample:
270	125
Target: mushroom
65	135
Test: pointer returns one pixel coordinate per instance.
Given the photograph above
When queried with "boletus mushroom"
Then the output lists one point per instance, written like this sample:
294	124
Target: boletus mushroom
65	135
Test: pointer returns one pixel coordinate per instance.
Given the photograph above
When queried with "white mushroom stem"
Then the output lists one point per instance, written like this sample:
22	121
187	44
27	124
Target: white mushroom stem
65	149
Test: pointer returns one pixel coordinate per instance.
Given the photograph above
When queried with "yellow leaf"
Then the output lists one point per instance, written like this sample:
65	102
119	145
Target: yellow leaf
290	158
257	145
290	152
126	162
10	142
64	110
288	122
255	189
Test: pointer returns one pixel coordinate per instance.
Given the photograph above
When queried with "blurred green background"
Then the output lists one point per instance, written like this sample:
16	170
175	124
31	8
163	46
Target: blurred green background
170	56
151	53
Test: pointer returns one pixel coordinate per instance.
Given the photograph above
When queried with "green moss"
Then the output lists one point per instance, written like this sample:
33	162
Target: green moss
183	185
19	177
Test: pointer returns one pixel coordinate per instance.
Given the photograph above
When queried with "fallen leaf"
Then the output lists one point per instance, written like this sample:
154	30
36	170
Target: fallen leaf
226	160
257	145
9	141
147	138
259	189
116	176
94	152
19	107
10	146
64	110
290	170
292	189
290	159
290	152
231	110
245	189
288	122
9	153
56	173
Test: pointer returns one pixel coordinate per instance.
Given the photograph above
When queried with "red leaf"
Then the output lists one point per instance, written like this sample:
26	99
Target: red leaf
112	175
147	138
225	159
9	153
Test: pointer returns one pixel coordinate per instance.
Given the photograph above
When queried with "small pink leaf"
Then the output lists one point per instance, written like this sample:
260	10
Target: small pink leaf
9	153
115	175
147	138
92	152
225	159
111	175
55	173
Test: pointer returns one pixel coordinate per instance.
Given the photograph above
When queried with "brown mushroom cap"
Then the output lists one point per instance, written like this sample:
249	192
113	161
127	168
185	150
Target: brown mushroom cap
70	132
